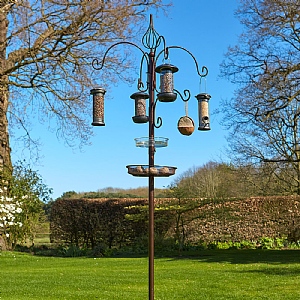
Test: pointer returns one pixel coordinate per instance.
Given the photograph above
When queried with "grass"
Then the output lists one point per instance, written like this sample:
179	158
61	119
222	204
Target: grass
223	274
43	234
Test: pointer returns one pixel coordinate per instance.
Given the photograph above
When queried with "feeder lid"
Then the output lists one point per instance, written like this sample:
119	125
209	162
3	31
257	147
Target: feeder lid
170	67
203	96
139	95
98	90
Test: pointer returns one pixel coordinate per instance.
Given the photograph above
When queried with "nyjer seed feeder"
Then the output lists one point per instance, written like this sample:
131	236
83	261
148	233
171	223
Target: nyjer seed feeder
203	112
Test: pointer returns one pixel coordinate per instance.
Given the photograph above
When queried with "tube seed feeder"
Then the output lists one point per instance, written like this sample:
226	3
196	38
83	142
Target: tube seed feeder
140	107
98	106
166	82
203	113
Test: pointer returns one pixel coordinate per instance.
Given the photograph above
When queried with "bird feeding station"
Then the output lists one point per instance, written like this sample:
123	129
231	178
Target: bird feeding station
149	92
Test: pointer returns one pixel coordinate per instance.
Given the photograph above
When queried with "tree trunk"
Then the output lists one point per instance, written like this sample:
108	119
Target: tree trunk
2	244
5	159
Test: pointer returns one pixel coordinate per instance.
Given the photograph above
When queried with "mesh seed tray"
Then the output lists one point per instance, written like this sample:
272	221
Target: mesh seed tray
156	171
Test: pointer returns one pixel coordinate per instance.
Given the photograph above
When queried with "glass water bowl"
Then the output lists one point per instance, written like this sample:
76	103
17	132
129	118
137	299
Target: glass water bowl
157	142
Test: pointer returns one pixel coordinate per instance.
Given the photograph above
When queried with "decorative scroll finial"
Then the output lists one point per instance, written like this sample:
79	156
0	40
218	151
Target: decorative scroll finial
151	39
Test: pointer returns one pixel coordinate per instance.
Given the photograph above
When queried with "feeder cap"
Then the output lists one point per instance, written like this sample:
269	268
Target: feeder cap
203	96
138	95
98	90
170	67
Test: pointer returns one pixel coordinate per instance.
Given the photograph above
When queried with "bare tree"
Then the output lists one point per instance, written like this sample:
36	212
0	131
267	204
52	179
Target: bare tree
263	116
46	49
211	180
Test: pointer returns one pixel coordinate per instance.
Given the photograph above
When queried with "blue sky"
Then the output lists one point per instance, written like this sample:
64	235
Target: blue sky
206	28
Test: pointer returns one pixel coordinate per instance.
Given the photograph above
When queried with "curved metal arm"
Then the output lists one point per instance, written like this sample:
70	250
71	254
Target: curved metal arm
165	50
159	121
141	87
204	70
186	93
96	62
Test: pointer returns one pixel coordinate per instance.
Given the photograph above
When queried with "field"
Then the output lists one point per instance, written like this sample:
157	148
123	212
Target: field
222	274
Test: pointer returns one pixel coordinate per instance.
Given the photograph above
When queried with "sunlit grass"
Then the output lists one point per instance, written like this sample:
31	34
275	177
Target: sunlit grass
209	275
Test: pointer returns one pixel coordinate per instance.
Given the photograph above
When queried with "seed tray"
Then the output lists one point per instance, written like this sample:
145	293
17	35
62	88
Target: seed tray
146	171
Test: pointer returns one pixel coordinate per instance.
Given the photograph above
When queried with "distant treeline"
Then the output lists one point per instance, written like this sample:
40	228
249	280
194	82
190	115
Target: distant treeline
111	192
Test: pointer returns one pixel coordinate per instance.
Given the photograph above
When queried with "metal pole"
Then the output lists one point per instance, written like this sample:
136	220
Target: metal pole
151	81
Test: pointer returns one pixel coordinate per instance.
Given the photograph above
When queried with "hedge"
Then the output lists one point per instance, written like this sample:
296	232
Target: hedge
123	222
89	222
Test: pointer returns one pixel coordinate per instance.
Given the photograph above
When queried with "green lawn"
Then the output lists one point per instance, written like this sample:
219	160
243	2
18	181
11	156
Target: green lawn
218	275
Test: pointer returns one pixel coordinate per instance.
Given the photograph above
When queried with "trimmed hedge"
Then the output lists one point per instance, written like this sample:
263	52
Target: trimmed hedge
243	219
124	222
90	222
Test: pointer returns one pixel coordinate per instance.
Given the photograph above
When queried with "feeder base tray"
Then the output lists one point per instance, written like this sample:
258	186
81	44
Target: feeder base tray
146	171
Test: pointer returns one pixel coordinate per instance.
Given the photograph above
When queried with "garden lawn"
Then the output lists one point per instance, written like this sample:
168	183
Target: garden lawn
222	274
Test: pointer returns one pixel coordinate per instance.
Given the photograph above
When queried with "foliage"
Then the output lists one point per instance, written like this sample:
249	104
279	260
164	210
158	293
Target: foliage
24	192
246	223
269	243
10	223
93	222
263	116
224	180
69	194
179	212
244	219
107	223
71	251
25	181
266	243
110	192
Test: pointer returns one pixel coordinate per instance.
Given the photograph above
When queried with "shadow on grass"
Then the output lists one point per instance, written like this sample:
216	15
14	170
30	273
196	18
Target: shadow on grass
208	256
245	256
74	251
279	271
